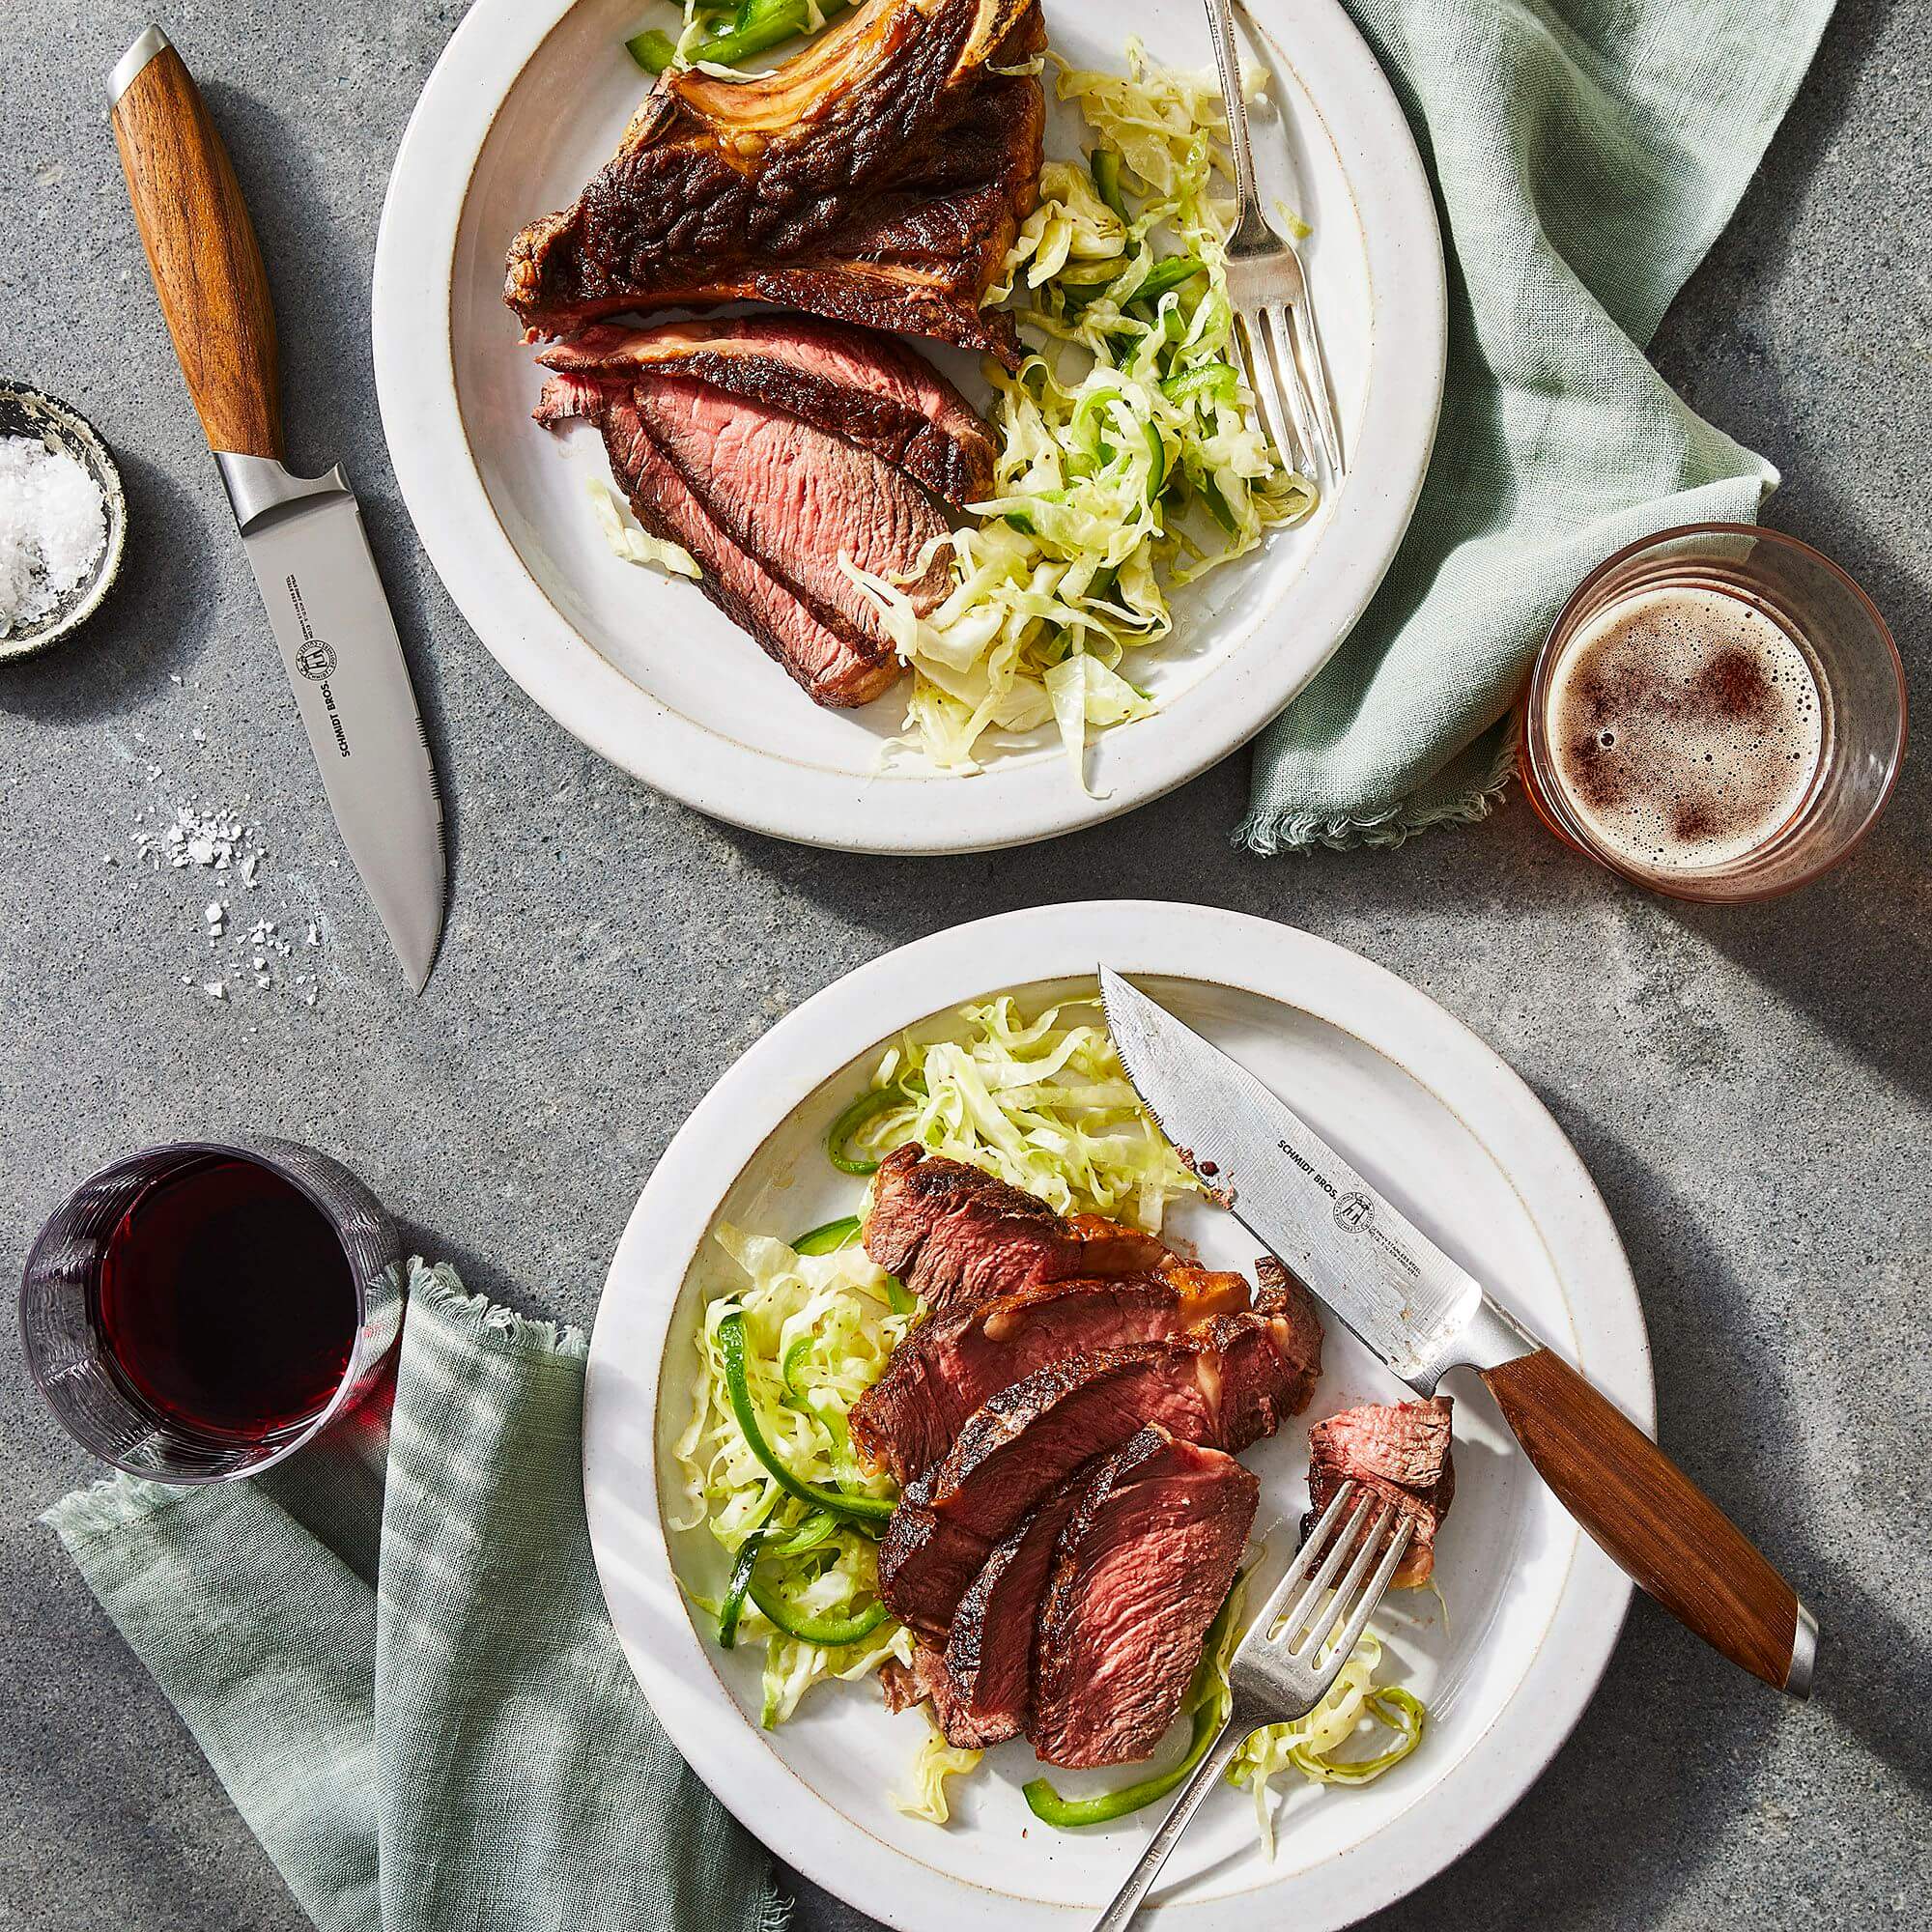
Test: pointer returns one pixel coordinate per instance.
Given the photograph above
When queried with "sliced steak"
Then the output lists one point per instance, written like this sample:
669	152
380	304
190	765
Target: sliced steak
1227	1385
950	1364
925	1564
989	1648
865	386
955	1237
1147	1553
1400	1451
1279	1293
766	503
880	176
797	496
924	1681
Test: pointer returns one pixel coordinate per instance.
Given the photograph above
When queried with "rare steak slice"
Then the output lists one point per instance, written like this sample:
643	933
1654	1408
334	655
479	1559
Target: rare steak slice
955	1236
1399	1451
950	1364
766	505
1147	1553
1227	1385
989	1649
858	384
880	176
798	496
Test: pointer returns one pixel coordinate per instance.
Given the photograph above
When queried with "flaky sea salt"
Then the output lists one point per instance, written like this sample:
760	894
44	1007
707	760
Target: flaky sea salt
53	527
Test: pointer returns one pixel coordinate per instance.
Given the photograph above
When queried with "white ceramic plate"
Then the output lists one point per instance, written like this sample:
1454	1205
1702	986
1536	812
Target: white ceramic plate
526	102
1424	1109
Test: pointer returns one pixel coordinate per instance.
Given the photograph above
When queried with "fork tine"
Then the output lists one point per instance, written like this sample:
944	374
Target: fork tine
1371	1593
1315	365
1282	347
1303	1560
1320	1626
1334	1558
1267	394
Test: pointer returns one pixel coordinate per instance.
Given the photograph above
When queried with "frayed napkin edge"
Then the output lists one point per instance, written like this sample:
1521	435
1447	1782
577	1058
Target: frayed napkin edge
86	1516
437	1286
1270	834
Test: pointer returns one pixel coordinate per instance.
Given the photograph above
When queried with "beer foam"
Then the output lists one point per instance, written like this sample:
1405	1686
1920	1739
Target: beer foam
1685	727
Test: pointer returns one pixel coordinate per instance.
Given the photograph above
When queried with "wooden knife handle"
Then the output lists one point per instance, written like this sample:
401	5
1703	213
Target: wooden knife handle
1656	1522
202	253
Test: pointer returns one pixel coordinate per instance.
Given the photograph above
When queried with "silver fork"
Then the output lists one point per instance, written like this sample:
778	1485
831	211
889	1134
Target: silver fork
1285	1664
1274	318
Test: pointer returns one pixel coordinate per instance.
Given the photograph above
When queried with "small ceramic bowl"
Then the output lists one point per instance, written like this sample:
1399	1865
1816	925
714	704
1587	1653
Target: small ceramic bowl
25	412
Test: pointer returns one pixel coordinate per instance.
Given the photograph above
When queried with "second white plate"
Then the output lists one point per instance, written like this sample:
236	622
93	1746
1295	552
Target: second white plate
526	103
1431	1117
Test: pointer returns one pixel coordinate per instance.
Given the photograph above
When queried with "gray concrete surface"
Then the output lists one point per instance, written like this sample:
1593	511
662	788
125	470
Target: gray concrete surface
1752	1088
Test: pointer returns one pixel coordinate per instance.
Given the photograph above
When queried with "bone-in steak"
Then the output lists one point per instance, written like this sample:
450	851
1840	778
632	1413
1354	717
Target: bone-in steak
879	177
956	1237
858	384
1401	1452
1148	1552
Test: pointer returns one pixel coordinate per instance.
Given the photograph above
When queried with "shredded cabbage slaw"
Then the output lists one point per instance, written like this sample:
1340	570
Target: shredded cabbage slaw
1133	460
1044	1103
1041	1101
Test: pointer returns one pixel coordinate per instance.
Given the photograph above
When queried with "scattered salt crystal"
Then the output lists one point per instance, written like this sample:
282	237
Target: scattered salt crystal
214	914
215	989
200	736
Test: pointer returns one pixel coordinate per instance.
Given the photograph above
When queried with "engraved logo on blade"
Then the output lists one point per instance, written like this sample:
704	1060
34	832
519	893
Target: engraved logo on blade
1355	1211
317	661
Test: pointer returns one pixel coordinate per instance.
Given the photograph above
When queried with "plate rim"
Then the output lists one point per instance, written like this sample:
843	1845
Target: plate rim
436	468
1207	944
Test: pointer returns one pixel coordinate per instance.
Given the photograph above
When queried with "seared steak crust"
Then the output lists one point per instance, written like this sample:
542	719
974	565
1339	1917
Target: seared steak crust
925	1680
1282	1295
1227	1385
950	1364
989	1650
926	1564
1401	1452
843	181
956	1237
1148	1552
869	388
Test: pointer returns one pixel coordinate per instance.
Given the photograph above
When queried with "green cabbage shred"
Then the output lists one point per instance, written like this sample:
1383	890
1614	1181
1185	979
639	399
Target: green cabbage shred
1131	458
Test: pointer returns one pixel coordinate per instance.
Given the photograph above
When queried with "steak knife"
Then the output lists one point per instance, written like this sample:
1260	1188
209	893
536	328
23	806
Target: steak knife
1424	1315
303	534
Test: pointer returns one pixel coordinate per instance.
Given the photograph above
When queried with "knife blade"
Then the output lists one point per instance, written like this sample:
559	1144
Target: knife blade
1423	1314
304	536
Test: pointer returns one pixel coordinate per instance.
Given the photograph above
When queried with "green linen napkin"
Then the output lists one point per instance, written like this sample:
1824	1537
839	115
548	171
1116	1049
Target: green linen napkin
1584	154
395	1654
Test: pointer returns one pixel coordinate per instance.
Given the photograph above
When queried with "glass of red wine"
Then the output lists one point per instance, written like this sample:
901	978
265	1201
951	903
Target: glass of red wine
200	1311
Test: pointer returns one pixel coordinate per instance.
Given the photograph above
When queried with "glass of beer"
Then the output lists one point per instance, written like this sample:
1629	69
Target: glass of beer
1718	714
